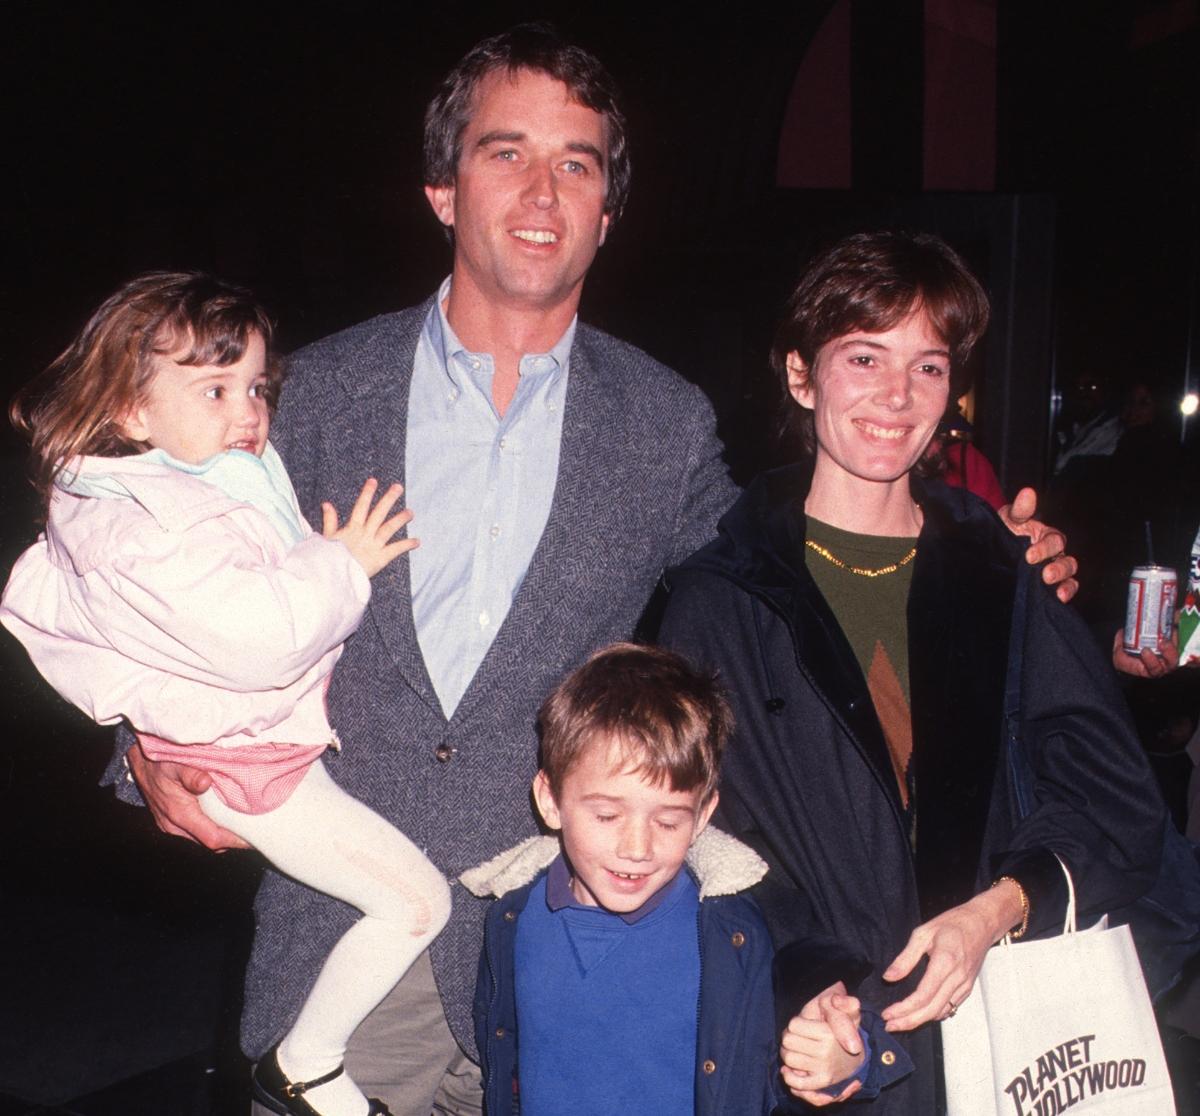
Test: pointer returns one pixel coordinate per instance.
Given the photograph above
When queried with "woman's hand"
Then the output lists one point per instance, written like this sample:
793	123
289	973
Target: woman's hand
955	943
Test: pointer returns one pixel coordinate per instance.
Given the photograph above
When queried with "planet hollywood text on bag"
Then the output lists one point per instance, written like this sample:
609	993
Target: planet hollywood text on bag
1069	1073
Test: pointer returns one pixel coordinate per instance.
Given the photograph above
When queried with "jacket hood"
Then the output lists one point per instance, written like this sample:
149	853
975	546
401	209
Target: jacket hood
721	864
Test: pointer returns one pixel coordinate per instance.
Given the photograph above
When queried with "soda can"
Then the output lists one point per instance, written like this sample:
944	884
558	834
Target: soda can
1150	609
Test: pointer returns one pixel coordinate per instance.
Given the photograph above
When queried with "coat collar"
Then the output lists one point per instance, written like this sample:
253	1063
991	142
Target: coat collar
963	554
721	864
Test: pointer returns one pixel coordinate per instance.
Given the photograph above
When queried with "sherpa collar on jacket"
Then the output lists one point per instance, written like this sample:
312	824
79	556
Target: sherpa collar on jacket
721	864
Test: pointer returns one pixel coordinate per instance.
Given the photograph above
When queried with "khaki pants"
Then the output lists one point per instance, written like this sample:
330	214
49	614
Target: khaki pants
404	1054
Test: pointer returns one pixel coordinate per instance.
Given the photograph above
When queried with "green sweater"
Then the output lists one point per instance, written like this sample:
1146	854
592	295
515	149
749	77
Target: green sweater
873	615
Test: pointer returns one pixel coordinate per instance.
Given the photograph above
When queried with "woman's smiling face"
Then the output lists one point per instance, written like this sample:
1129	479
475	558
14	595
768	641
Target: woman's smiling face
876	398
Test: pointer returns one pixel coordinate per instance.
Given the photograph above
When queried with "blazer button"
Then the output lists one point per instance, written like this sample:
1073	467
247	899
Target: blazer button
709	1066
443	752
888	1057
738	939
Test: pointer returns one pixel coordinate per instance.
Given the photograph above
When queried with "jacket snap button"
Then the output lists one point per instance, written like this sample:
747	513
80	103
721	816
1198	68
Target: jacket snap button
738	939
709	1066
510	916
888	1057
443	752
499	1032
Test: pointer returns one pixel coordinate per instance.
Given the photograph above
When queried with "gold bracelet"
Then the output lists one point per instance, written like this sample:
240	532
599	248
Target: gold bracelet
1020	931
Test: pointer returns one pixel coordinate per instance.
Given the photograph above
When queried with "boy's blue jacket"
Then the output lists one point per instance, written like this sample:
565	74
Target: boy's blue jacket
738	1036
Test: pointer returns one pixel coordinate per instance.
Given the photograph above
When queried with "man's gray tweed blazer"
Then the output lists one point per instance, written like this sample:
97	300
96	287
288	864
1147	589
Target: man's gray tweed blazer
641	484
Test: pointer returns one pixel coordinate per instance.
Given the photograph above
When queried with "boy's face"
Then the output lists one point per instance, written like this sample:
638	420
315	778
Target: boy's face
625	838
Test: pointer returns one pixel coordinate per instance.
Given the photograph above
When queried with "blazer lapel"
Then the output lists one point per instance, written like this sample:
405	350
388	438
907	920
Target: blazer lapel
382	388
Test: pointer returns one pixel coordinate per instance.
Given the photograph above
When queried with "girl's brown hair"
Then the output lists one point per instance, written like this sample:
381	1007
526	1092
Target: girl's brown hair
77	406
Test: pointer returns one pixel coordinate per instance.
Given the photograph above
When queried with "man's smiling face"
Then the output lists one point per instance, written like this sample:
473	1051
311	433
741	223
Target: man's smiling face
625	838
527	205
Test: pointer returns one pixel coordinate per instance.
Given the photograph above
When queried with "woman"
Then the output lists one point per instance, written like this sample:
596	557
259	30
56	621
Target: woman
860	618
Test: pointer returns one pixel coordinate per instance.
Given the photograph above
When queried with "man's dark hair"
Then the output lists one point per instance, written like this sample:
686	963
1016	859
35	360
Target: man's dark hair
871	282
669	720
540	48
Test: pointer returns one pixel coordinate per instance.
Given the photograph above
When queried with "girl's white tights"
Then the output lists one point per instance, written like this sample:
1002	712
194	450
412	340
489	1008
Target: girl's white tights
330	841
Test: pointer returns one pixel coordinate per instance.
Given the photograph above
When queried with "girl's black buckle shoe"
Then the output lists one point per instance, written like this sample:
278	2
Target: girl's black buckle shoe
273	1089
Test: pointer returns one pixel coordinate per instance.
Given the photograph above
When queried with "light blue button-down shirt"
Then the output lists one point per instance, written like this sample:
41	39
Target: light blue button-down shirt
480	487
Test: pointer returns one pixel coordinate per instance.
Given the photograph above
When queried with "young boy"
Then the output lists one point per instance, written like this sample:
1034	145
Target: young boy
635	986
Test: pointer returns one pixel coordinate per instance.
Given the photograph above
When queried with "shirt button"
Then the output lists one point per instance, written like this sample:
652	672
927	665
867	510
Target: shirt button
484	619
443	752
475	364
495	531
503	442
550	405
888	1057
453	395
709	1066
738	939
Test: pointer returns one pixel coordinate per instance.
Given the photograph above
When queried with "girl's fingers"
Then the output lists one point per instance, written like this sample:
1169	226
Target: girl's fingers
388	528
329	519
362	505
383	507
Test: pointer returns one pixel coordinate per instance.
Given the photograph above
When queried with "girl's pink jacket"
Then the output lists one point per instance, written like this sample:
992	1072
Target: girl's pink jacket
184	611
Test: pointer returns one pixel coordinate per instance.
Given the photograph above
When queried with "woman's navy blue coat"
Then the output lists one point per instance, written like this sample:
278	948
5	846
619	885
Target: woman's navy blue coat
807	780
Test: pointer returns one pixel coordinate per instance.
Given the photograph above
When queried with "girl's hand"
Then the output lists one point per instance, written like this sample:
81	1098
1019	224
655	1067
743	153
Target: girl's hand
368	531
955	943
821	1046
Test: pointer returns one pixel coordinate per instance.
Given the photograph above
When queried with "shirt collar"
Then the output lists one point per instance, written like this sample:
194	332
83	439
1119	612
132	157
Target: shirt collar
446	345
559	895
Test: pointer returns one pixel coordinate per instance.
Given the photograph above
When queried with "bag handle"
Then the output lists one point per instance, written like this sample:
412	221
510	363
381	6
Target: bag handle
1069	921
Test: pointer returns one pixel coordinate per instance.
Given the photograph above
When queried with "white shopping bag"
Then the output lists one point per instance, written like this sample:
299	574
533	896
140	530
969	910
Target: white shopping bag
1063	1024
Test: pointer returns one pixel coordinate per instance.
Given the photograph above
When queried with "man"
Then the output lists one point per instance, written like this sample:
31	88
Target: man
554	471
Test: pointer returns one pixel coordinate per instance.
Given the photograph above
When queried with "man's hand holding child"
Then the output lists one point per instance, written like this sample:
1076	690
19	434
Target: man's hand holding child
822	1047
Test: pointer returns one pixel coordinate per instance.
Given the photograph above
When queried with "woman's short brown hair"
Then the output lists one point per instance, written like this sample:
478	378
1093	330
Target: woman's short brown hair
871	282
79	404
669	720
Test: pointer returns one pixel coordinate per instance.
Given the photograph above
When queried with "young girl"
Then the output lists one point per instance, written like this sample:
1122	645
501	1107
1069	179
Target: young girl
178	588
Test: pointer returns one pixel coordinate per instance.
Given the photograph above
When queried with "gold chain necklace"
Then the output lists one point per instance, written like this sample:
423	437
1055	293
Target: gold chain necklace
883	571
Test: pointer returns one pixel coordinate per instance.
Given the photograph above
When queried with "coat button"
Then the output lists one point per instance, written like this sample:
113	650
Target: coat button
888	1057
709	1066
510	916
738	939
443	752
499	1032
